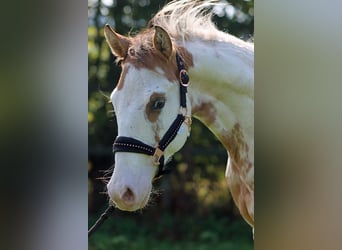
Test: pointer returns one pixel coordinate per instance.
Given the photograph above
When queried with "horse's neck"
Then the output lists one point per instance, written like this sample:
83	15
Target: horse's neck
222	94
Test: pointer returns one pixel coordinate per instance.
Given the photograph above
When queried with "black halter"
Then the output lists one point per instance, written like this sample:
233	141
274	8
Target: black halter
128	144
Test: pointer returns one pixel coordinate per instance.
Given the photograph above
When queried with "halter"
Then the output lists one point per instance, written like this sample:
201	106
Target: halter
129	144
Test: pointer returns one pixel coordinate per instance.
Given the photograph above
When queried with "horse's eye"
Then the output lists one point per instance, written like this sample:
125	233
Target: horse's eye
158	104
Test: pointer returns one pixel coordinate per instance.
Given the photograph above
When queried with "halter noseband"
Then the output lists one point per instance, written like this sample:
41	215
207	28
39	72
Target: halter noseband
128	144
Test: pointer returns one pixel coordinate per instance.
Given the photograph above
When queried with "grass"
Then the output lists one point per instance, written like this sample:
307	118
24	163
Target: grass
164	231
123	242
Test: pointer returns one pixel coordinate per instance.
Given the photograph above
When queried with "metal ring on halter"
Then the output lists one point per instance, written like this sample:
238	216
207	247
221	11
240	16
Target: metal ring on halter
184	74
187	118
188	122
183	111
158	153
129	144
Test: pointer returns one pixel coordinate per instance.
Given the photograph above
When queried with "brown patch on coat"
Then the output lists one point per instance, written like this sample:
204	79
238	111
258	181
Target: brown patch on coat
152	115
147	56
157	137
240	184
206	112
122	77
244	199
235	143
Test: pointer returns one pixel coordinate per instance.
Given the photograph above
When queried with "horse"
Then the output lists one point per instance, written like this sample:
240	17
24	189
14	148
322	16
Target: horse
154	101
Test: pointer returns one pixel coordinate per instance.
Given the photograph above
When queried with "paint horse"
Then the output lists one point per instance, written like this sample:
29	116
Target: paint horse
180	43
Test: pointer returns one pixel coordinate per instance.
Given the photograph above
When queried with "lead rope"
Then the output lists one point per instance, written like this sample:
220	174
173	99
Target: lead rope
100	220
127	144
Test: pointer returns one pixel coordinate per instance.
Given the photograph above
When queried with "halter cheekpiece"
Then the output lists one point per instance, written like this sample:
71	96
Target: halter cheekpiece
128	144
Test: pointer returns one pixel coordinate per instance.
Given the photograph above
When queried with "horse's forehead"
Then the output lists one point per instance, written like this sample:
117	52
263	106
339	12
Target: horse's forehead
139	80
152	60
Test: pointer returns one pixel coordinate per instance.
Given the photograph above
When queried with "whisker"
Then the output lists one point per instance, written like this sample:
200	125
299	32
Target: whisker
106	175
104	94
155	193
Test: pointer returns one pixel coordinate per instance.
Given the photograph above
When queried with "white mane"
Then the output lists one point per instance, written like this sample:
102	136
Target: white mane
188	20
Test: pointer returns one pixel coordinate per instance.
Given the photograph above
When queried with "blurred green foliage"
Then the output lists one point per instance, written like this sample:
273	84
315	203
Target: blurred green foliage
196	188
168	231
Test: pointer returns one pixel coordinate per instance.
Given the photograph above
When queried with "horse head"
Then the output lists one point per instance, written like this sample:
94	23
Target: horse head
146	102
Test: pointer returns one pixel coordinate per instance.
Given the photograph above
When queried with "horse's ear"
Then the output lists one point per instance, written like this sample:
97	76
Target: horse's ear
162	42
118	44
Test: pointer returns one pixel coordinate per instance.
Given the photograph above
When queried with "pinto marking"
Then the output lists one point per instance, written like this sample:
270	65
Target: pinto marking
142	53
221	95
152	115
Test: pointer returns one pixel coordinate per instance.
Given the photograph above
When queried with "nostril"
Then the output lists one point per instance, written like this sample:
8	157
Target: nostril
128	196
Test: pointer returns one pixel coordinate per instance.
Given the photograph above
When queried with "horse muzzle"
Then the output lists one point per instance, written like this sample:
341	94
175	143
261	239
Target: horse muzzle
127	198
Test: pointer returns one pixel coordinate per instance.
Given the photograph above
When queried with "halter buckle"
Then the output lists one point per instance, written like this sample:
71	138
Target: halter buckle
188	122
184	78
158	153
183	111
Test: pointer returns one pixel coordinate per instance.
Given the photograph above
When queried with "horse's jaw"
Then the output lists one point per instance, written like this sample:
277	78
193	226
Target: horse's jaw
130	185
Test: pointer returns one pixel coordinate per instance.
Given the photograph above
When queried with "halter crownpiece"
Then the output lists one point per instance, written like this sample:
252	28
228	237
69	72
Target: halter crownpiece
128	144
